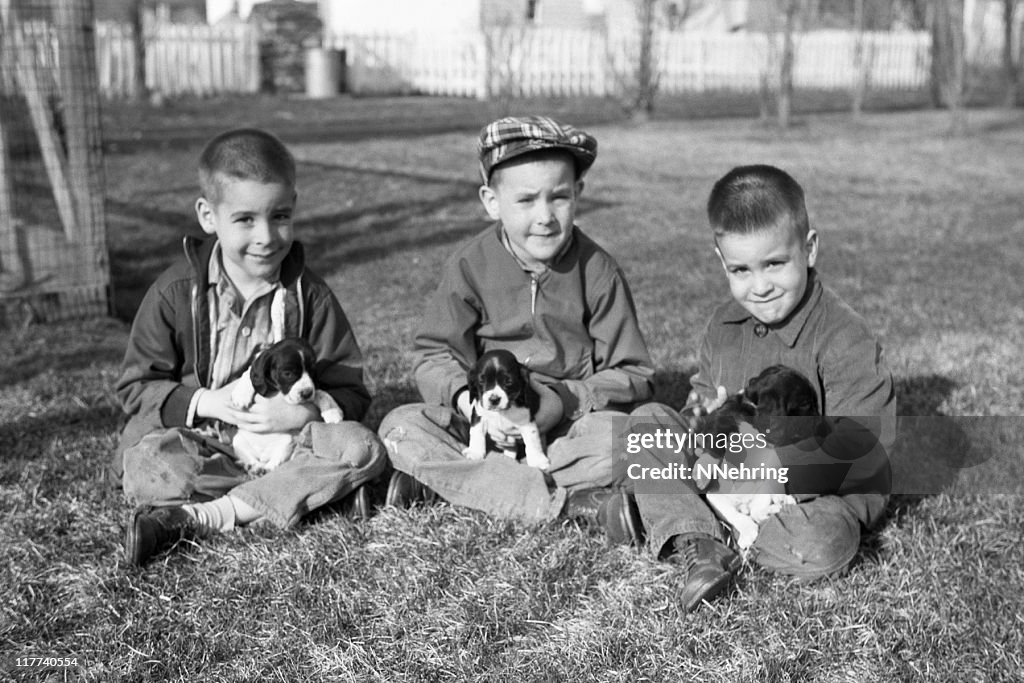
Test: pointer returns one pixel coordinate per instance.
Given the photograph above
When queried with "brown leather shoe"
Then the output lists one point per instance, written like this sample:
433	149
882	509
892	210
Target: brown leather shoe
153	530
709	565
404	491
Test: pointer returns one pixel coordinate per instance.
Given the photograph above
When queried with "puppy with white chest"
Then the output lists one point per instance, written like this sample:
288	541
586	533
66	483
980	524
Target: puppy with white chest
286	368
771	404
500	393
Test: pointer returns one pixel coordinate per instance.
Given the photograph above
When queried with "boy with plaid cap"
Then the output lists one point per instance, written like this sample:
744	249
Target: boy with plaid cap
535	285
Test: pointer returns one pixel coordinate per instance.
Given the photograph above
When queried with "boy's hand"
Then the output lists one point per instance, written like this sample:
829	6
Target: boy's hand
216	404
274	414
265	416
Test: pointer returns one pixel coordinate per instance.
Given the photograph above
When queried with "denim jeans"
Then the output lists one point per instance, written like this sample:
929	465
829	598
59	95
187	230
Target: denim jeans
426	442
817	537
176	466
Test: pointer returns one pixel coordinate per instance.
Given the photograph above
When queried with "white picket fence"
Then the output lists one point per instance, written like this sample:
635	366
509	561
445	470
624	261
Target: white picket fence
206	60
193	59
563	62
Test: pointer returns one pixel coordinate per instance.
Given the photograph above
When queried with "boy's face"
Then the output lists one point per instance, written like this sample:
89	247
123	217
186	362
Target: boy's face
253	223
536	203
767	269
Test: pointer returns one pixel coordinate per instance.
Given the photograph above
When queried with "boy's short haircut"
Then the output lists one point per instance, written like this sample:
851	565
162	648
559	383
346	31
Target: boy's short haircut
244	154
752	198
514	137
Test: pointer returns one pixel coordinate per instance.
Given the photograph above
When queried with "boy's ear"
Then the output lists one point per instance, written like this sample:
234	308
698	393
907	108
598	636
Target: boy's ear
489	198
721	259
204	212
811	246
579	187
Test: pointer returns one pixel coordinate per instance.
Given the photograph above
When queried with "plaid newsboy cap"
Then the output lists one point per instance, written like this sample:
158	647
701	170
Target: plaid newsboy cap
514	136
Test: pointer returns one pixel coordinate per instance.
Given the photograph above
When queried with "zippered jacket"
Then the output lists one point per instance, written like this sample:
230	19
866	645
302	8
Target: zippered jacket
574	326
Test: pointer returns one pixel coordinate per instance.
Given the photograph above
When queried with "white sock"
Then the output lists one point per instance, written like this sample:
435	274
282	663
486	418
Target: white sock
213	516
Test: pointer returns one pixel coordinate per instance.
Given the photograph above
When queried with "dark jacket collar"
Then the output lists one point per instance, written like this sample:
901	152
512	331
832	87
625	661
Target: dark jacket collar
789	329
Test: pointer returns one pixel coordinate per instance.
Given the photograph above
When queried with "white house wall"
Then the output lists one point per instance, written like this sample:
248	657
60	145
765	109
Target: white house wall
399	16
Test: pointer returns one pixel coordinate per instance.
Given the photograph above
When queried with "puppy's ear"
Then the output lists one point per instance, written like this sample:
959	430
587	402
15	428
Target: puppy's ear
308	356
259	372
719	422
473	381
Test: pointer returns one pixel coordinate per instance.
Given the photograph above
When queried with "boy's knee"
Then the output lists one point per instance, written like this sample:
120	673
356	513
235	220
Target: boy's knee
413	417
355	445
159	468
809	540
656	410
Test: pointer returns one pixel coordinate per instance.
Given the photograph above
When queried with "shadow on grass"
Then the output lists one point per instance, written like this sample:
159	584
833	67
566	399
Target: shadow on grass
919	396
26	369
43	438
922	395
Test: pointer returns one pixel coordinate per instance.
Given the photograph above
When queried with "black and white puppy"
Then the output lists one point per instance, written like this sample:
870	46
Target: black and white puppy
500	392
773	403
286	368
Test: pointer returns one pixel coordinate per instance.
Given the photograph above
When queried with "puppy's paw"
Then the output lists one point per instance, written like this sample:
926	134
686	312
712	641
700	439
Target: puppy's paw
473	454
538	460
332	416
243	396
746	535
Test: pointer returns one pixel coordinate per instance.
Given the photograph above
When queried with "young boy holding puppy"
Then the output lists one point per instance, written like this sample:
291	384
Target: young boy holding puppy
197	330
781	314
534	284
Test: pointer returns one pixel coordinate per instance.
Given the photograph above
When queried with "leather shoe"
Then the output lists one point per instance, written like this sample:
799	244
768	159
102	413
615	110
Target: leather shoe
404	491
356	505
153	530
620	519
614	510
709	566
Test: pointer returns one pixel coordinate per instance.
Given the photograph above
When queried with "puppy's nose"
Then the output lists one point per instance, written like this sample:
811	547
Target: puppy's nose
493	400
306	394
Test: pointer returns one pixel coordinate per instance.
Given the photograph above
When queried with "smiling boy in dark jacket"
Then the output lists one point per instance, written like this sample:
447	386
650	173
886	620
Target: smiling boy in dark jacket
195	333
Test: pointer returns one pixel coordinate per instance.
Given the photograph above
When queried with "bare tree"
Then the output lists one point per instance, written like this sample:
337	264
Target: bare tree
633	60
863	57
948	60
792	8
776	92
647	72
505	45
1011	69
138	12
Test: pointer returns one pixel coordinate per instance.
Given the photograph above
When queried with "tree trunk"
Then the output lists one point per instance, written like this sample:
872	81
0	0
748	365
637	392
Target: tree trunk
786	64
1010	66
948	53
139	42
861	67
646	73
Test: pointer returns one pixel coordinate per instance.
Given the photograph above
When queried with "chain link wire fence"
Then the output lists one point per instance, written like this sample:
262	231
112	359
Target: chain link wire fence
53	253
